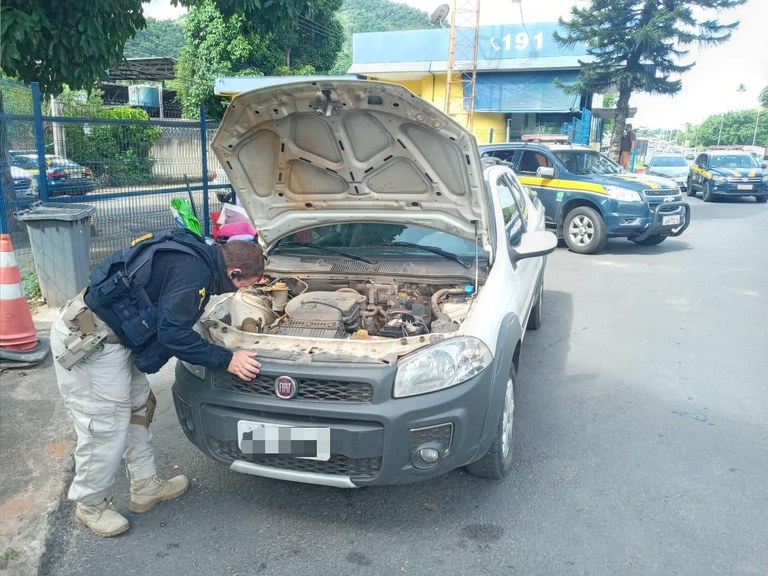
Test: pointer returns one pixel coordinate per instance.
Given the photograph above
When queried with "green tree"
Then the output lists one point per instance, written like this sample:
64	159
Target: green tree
764	97
160	38
217	45
117	153
374	16
74	42
638	45
738	128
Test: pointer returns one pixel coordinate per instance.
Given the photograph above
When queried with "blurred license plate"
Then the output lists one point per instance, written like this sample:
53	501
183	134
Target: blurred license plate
264	439
744	187
75	175
670	220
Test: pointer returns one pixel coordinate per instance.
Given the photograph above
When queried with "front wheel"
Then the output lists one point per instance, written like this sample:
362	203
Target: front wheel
708	195
584	230
689	190
761	199
652	240
498	460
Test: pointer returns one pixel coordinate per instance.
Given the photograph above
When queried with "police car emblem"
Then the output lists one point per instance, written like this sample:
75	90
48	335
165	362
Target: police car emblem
285	387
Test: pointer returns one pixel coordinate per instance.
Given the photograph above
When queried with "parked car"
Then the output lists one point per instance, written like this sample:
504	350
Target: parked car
672	166
728	173
24	183
589	198
63	176
402	277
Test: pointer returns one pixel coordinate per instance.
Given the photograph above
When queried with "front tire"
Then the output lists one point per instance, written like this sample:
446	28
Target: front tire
708	195
498	460
689	190
584	231
761	199
653	240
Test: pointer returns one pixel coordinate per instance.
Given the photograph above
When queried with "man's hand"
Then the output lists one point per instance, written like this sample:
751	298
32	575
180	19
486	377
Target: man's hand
244	365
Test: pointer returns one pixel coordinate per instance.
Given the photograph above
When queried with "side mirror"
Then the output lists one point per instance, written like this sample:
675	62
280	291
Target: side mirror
763	165
545	172
533	244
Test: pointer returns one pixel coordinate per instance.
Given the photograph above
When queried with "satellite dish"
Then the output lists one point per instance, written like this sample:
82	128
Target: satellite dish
440	14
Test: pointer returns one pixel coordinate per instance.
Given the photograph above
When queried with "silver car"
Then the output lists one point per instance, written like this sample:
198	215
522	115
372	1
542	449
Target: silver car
402	276
673	166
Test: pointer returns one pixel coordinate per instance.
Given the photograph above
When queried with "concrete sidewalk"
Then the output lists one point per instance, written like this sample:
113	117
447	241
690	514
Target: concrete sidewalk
36	466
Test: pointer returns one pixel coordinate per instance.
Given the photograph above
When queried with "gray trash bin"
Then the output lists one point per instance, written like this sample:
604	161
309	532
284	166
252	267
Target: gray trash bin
60	235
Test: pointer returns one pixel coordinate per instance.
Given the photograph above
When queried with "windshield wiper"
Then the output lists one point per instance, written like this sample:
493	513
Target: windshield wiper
432	249
329	250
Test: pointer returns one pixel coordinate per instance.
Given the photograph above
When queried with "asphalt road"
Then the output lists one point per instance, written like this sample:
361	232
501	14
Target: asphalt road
641	446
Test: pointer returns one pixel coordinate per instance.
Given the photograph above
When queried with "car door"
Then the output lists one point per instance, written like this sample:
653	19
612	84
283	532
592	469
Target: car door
528	162
517	215
700	166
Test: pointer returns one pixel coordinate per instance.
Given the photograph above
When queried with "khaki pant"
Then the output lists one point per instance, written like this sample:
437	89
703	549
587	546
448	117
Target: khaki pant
100	392
624	159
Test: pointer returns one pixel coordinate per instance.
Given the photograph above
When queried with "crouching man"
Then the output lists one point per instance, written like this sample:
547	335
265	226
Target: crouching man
139	311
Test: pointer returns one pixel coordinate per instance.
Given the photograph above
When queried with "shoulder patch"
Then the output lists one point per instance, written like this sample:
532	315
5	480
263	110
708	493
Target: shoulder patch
142	238
202	292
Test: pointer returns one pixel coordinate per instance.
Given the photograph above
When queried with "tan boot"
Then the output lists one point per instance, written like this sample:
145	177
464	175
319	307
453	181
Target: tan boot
145	494
101	519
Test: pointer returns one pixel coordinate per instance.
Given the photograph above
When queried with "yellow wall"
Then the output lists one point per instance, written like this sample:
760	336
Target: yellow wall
433	87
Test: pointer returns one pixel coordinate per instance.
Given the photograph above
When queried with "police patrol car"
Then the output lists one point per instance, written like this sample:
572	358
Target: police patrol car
589	198
728	173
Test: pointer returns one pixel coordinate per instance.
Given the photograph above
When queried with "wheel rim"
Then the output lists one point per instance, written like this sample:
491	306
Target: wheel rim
508	418
581	230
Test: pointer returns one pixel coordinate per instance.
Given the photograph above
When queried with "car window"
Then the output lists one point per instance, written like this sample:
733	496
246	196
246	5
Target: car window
514	221
701	161
530	160
668	162
518	195
374	238
505	155
588	162
733	161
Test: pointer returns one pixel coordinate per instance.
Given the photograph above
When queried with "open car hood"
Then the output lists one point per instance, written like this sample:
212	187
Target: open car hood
309	153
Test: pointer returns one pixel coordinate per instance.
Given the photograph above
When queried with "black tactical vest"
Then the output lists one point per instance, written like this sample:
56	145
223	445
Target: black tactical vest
117	292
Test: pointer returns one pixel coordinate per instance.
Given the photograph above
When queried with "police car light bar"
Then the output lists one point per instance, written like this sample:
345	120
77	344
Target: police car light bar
544	137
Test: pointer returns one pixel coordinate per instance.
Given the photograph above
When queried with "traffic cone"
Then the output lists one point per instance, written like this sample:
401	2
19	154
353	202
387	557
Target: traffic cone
19	344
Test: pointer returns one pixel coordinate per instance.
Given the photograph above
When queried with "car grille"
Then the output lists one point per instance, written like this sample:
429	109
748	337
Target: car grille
308	388
337	465
22	184
745	181
662	192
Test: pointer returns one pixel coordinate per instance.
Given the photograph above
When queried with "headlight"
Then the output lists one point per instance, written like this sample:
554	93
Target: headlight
441	366
623	194
719	178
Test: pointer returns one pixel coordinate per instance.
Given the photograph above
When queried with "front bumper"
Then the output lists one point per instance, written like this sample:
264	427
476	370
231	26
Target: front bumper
733	188
375	438
639	220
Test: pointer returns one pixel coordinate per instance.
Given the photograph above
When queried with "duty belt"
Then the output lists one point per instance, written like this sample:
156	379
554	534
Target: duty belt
87	332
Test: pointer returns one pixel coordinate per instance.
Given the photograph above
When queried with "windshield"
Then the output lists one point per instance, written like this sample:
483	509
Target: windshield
668	162
587	162
374	238
733	161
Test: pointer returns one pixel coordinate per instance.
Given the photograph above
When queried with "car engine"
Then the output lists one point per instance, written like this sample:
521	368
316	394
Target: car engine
357	310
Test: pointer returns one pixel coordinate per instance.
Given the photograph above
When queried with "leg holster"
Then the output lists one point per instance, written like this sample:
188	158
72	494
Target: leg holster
150	405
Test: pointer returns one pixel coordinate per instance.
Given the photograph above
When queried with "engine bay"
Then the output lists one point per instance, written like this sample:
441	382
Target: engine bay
358	310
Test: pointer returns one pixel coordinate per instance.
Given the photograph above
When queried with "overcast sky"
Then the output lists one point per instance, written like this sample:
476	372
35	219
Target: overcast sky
709	88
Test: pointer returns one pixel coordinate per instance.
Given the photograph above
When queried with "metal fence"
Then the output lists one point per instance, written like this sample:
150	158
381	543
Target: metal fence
128	169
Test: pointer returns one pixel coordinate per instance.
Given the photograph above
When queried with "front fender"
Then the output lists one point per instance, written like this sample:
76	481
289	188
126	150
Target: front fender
510	336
